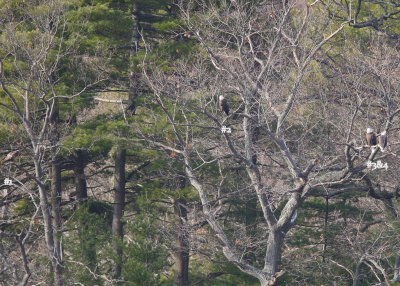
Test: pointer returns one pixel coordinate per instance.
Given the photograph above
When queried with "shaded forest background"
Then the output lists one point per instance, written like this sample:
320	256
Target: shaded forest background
111	135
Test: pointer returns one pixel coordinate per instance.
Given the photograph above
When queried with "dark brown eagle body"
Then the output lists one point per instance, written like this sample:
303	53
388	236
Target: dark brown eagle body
224	104
370	136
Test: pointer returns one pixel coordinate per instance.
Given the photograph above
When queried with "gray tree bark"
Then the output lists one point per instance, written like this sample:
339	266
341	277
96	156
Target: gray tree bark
28	272
357	273
273	253
47	219
119	205
57	221
55	194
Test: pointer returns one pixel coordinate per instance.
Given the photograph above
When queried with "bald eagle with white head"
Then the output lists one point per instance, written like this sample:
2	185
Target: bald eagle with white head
382	140
370	136
224	104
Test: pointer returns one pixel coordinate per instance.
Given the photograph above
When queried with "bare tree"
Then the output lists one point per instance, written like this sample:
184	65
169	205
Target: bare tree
382	16
19	267
260	57
29	77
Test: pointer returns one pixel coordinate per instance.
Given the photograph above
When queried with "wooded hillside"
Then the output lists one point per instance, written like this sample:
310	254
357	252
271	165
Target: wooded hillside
199	142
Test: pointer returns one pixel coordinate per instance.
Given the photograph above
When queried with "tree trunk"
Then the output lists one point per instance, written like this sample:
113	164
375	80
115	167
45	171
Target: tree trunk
120	155
181	254
5	207
396	275
88	248
28	272
55	194
326	218
56	219
273	253
80	179
47	222
134	75
357	273
119	204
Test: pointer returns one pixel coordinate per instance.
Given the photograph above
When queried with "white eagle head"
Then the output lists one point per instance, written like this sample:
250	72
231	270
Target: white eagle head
221	97
383	133
369	130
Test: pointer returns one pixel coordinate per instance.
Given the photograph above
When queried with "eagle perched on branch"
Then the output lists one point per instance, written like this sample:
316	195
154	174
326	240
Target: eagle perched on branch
382	140
10	156
370	136
224	104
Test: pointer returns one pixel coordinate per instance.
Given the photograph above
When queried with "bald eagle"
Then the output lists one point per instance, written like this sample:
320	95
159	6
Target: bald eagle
371	137
382	140
224	104
10	156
